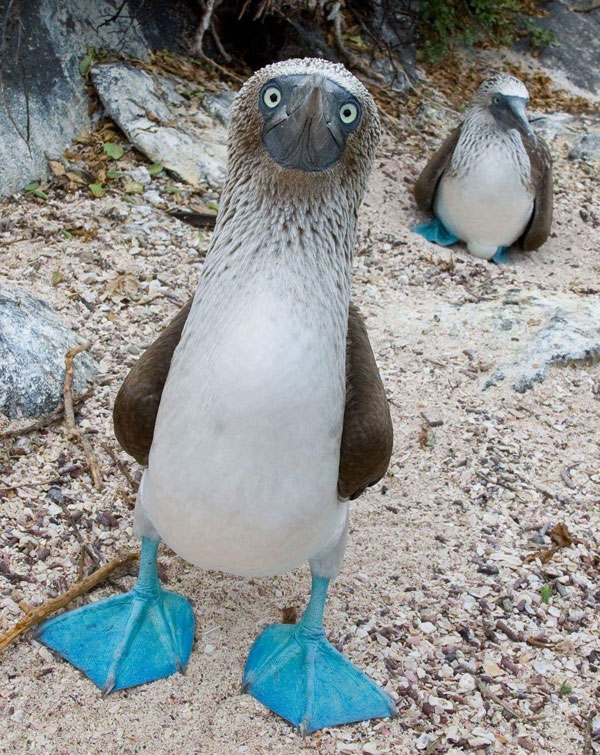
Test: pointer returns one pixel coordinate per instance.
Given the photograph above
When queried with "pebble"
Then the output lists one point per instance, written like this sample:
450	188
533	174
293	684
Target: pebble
466	683
140	175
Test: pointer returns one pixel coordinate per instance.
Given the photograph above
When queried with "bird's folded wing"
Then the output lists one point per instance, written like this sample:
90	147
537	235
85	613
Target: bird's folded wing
427	182
136	405
368	435
540	224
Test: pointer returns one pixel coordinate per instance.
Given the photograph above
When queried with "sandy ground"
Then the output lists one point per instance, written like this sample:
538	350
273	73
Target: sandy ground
434	571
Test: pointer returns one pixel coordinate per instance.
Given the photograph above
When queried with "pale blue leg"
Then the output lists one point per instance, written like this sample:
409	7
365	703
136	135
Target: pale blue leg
128	639
298	674
436	232
501	255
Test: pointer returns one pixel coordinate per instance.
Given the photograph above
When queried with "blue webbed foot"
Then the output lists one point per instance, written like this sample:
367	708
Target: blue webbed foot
129	639
501	255
298	674
436	232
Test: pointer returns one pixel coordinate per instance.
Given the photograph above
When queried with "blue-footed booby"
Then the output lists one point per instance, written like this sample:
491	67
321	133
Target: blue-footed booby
259	411
490	183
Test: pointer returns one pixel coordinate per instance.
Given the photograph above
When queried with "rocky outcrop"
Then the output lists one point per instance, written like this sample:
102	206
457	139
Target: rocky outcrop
191	146
44	104
576	50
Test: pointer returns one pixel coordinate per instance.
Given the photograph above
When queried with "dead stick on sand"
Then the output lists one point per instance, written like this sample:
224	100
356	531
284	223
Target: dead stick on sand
487	692
74	431
37	615
44	420
121	466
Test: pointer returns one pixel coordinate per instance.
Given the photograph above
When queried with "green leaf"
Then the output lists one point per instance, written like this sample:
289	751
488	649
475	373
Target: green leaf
97	189
358	41
213	206
41	194
114	173
546	592
113	150
57	277
67	234
155	168
172	189
564	690
130	200
87	61
133	187
32	186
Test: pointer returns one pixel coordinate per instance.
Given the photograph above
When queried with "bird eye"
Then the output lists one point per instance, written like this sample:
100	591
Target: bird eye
496	100
348	113
272	96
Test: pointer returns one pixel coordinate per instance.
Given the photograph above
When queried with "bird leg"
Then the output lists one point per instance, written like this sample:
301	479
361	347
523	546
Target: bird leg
298	674
128	639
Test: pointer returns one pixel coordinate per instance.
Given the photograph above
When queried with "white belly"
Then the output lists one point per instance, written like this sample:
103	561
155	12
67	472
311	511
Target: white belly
486	208
243	470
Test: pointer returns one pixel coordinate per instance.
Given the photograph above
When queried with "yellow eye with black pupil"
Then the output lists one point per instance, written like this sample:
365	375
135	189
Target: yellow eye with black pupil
348	113
271	97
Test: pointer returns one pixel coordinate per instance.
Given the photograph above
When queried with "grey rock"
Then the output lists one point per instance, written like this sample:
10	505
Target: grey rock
44	102
569	333
512	341
217	105
588	148
577	48
195	152
141	175
33	344
552	125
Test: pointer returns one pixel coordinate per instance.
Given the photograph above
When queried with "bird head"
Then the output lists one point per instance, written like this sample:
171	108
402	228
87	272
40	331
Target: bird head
506	99
303	122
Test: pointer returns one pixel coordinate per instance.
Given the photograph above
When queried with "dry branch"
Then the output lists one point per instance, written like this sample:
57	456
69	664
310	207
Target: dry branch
73	430
121	466
37	615
44	420
487	692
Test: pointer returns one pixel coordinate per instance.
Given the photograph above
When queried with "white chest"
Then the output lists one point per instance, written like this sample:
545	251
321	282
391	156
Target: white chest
486	203
243	470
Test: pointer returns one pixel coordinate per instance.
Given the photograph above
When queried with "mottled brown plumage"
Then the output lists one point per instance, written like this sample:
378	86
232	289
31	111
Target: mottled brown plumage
367	436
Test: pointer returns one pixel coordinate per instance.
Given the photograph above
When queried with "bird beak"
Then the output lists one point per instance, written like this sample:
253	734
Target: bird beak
307	136
518	108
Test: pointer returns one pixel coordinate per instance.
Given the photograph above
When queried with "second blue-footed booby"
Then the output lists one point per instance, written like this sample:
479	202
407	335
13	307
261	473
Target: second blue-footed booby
490	183
259	411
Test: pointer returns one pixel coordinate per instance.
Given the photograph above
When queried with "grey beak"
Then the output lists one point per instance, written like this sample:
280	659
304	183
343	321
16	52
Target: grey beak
306	135
519	109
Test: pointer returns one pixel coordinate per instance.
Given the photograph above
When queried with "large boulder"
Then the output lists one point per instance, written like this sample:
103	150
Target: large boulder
147	108
576	51
33	344
44	104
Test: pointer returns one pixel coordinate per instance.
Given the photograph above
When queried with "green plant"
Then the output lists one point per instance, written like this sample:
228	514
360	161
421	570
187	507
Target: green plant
446	24
538	37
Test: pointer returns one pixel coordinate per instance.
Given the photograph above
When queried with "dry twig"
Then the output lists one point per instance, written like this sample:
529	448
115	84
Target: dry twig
73	430
587	747
44	420
487	692
37	615
121	466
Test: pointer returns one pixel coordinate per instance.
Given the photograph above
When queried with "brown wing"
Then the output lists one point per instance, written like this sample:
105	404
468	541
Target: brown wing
540	224
427	182
137	402
367	436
